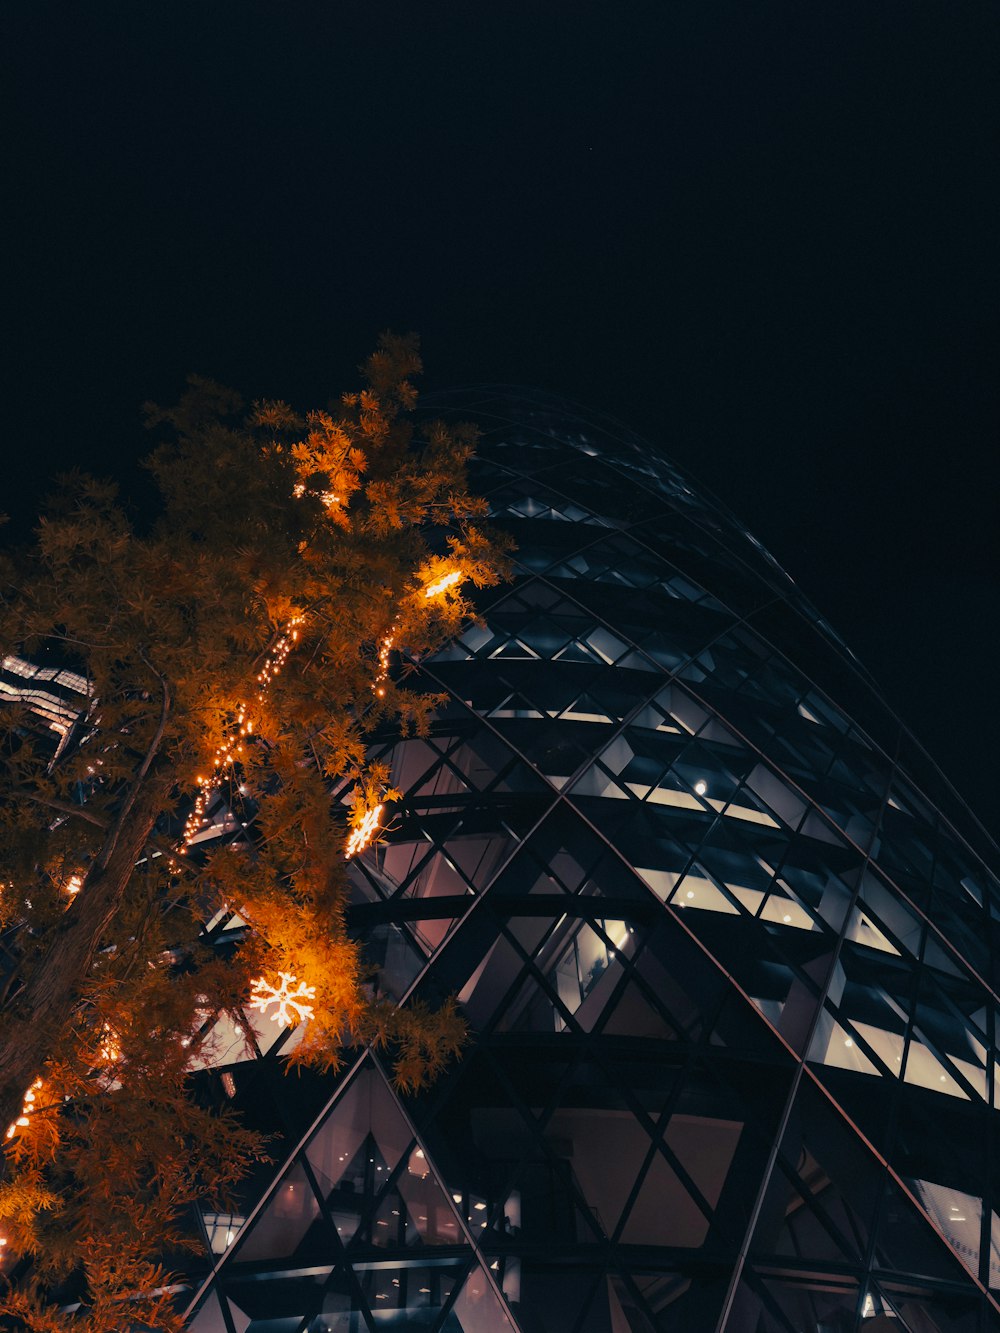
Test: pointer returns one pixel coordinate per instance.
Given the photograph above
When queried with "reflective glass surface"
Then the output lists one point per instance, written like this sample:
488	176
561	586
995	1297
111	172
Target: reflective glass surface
723	936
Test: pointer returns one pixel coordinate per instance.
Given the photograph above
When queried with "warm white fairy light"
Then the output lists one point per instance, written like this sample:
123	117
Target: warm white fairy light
291	1008
327	498
385	647
444	582
228	753
23	1120
110	1048
73	885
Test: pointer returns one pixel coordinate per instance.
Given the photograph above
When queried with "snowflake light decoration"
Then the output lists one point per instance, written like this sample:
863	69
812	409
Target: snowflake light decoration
291	1007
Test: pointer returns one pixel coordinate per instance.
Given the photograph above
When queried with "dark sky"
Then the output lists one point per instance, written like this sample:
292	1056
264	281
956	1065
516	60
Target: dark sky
764	234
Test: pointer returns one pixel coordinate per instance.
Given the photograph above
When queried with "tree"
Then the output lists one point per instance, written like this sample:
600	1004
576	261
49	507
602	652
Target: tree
236	653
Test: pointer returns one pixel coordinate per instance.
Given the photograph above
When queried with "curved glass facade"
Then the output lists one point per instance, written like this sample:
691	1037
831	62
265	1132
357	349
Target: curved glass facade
724	939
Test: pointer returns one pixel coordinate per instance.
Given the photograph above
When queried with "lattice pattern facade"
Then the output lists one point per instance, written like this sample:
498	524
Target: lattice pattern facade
726	952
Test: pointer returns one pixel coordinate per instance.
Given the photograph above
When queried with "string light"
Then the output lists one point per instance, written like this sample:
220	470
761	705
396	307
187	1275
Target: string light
387	644
364	833
385	648
445	581
327	498
230	750
27	1107
291	1008
110	1048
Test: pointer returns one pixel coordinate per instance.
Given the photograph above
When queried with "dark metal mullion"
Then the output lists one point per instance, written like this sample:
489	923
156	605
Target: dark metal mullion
633	975
534	973
796	1078
814	1203
269	1191
813	805
470	1239
580	1321
459	1286
760	1289
357	1292
560	793
536	1131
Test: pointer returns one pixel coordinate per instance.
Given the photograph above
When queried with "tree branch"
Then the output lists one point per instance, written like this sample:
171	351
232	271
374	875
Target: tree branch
136	784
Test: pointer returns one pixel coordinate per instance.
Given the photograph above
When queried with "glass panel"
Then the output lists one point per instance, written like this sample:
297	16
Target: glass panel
209	1318
478	1309
429	1209
606	1150
282	1226
409	1293
959	1218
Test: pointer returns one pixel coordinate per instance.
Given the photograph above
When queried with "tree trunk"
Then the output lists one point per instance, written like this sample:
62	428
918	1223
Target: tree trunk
39	1013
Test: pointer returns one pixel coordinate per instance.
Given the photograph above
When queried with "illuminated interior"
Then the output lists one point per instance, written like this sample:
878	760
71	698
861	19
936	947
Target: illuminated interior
723	938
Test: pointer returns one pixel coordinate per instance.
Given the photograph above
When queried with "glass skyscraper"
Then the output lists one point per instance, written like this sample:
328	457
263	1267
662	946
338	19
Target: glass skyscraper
724	937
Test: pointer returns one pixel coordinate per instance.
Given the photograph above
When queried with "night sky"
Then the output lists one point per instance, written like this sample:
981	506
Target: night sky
763	234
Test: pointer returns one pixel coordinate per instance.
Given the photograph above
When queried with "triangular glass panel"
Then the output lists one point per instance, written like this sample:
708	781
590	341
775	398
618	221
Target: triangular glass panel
916	1310
210	1318
595	781
863	930
433	931
684	1013
479	854
515	705
478	1309
491	982
636	661
543	636
532	1009
409	1293
392	951
221	1229
576	652
664	1211
282	1228
805	1214
357	1147
586	709
339	1312
429	1208
437	878
514	649
634	1016
550	1210
550	1297
908	1242
609	1148
624	1315
958	1216
831	1045
830	1303
399	860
